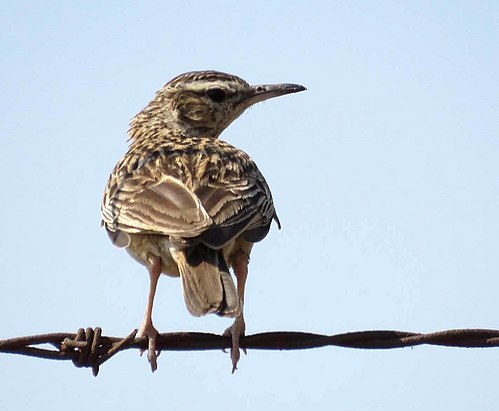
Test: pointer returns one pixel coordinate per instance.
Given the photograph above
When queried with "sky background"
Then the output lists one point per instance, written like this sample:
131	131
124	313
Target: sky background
385	175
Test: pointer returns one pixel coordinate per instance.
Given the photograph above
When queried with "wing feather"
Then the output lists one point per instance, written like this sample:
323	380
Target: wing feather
167	207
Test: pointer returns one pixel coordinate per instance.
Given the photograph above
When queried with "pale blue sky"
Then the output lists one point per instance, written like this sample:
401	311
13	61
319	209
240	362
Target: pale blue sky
385	175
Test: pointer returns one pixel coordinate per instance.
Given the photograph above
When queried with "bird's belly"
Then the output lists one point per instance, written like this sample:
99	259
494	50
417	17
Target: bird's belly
143	246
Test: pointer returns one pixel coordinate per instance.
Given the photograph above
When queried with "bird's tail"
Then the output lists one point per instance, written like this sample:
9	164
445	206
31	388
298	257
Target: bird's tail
206	281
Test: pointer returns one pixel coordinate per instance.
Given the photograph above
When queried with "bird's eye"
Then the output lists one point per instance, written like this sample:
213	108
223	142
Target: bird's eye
217	95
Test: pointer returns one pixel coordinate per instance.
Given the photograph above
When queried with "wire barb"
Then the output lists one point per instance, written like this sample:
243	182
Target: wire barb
89	348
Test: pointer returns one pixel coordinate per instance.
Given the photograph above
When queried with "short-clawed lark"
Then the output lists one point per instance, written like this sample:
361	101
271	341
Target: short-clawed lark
184	203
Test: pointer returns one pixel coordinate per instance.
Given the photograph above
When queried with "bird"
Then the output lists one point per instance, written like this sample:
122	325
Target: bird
185	203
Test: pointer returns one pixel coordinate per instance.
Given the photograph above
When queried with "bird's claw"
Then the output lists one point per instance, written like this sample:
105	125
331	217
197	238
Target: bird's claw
148	330
235	331
224	350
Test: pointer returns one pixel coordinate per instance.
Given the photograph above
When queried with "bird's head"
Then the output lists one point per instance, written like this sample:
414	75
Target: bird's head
202	104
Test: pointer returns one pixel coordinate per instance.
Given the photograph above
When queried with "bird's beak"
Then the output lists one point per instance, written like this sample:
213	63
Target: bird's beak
264	92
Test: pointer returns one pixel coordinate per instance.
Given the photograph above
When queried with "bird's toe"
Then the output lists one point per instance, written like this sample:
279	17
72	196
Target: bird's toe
236	331
148	330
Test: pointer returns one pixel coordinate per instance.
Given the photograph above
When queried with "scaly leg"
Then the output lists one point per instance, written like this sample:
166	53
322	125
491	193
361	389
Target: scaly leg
238	328
147	328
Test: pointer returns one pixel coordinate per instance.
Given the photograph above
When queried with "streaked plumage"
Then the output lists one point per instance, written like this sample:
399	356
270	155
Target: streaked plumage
184	203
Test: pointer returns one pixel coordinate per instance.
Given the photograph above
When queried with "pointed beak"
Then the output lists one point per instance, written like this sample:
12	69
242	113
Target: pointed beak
264	92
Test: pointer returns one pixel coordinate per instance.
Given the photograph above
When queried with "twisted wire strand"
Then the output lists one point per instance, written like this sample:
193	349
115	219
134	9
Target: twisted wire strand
89	348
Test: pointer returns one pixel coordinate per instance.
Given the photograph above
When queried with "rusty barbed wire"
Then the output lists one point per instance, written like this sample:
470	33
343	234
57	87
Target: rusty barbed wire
89	348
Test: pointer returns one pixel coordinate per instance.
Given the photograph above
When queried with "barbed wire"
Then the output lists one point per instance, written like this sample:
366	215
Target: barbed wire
89	348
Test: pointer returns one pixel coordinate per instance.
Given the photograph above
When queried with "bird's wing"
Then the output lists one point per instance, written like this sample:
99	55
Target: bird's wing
237	206
235	195
165	207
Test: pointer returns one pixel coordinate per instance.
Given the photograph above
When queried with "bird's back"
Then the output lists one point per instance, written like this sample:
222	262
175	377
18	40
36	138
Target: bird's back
225	193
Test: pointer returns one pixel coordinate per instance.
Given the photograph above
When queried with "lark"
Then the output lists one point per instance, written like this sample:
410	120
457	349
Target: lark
186	204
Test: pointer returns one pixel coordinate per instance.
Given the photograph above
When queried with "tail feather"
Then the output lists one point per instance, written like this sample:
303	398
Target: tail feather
206	282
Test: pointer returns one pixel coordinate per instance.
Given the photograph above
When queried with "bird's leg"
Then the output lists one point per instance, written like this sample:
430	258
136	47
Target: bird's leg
147	328
238	328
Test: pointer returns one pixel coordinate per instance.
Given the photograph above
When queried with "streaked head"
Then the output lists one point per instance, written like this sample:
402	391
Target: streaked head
204	103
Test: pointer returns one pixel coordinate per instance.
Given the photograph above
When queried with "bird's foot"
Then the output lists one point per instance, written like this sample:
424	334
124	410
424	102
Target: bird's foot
148	330
235	331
